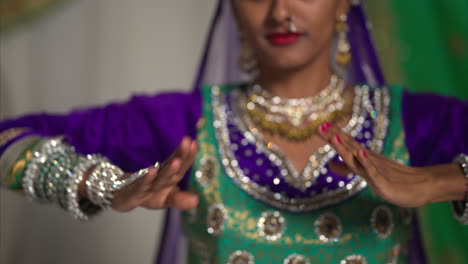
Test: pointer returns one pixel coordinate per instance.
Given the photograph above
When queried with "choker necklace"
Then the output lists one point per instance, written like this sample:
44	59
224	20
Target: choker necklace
296	119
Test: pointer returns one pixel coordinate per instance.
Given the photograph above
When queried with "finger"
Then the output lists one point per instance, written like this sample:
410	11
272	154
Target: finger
347	155
356	148
166	175
372	173
158	199
144	183
188	152
182	200
340	168
185	147
323	131
345	145
188	162
178	153
352	144
366	163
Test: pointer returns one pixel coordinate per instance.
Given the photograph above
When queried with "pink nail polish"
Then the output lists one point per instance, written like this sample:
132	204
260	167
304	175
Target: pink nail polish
328	124
364	154
323	128
339	140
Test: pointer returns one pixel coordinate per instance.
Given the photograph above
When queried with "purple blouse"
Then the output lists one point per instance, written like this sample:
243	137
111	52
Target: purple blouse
133	134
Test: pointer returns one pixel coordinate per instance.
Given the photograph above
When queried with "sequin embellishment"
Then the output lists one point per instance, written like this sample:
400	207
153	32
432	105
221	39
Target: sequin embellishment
271	225
328	227
296	259
241	257
354	259
224	117
382	221
215	219
207	170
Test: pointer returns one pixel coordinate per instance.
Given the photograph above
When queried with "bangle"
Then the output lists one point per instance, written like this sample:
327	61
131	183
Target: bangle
82	208
100	182
106	178
33	170
14	160
460	208
54	165
54	172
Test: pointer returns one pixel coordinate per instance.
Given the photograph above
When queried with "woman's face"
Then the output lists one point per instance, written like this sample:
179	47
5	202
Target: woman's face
265	24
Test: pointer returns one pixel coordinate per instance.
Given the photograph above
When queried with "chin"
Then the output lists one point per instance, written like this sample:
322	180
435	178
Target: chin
289	59
286	64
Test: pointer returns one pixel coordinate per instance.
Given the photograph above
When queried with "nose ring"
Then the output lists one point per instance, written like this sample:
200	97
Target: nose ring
292	26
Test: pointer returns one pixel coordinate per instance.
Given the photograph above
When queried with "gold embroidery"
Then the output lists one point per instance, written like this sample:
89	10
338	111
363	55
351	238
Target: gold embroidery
243	213
9	134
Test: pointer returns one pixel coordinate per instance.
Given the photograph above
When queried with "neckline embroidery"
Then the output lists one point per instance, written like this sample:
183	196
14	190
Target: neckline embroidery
226	115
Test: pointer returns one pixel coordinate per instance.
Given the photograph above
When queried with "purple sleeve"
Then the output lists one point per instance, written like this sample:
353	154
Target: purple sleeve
436	128
133	135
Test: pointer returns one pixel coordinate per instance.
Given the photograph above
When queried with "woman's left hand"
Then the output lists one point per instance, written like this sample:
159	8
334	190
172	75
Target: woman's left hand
396	183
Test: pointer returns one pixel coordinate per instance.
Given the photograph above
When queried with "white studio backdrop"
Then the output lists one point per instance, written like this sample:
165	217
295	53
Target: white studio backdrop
83	53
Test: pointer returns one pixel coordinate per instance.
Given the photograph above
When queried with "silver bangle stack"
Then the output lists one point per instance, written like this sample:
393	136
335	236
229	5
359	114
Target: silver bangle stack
100	183
460	208
47	172
55	172
77	205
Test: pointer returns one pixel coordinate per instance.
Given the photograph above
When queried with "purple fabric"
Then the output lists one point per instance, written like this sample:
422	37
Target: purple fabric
132	135
365	66
436	128
416	249
170	239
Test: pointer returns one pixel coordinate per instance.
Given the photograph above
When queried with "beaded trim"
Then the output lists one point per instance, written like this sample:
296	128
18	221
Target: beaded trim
207	170
241	256
382	222
296	259
233	170
271	220
216	219
354	259
328	228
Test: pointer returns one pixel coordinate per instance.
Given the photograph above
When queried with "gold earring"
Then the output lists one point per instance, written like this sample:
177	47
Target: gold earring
343	54
247	61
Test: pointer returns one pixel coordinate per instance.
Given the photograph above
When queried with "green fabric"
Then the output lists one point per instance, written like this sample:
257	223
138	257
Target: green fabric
14	179
424	44
445	240
241	231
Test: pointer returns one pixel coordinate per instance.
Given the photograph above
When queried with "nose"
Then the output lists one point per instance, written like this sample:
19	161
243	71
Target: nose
279	10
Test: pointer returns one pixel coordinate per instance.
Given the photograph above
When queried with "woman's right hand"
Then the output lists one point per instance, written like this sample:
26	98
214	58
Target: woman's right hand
158	188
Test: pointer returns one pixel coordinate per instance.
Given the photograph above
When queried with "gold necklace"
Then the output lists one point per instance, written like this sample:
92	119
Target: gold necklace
296	119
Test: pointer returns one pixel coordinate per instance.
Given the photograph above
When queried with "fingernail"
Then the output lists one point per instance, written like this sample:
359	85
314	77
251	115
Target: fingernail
323	128
339	140
328	124
364	154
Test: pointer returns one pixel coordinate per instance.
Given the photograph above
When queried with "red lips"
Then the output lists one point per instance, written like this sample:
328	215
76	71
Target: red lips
283	39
